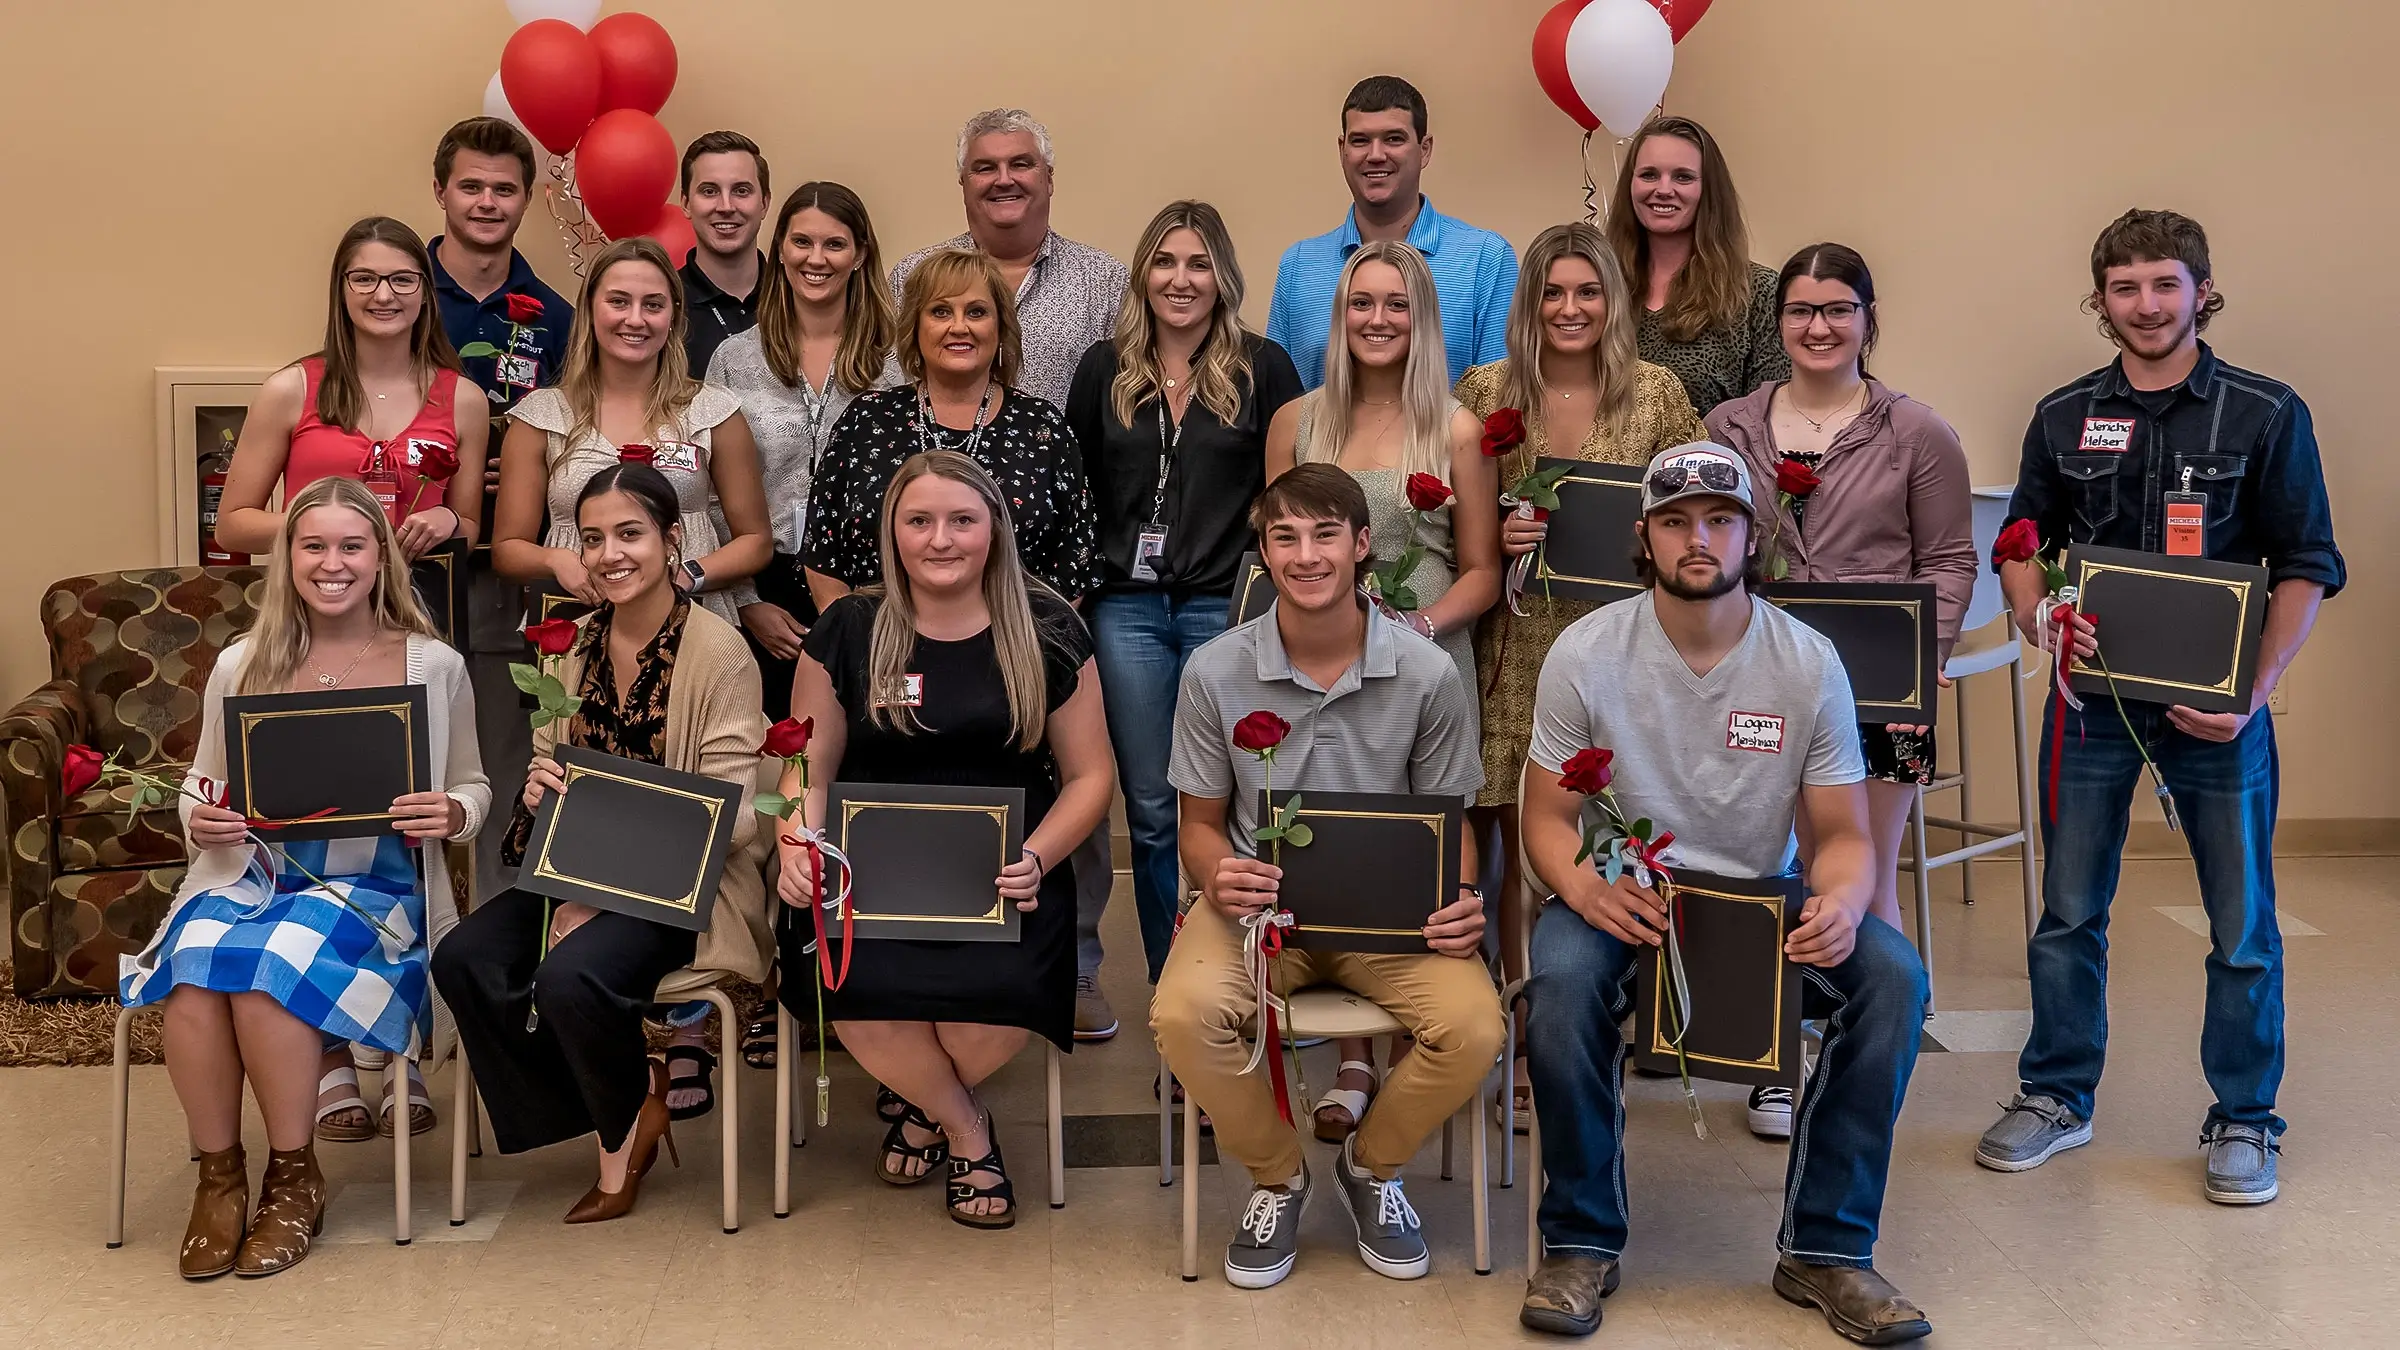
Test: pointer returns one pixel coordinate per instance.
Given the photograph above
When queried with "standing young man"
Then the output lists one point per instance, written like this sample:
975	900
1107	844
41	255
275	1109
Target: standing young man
1727	719
725	193
1373	707
1385	148
486	291
1067	298
2169	450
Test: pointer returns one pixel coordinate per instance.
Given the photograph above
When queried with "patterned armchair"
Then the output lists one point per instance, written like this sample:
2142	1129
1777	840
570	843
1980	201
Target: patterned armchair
130	655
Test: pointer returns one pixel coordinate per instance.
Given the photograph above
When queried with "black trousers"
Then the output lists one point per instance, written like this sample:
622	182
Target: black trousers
784	582
584	1065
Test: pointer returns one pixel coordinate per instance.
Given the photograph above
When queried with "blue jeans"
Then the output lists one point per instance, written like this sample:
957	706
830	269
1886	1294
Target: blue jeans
1141	640
2226	794
1581	987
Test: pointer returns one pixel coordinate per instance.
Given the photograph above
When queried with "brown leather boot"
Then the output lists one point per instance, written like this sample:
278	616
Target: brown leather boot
1858	1303
291	1210
219	1208
1563	1297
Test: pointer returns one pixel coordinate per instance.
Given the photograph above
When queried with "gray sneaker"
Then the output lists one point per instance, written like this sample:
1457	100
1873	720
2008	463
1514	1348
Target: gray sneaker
1391	1240
2241	1163
2028	1132
1267	1241
1094	1019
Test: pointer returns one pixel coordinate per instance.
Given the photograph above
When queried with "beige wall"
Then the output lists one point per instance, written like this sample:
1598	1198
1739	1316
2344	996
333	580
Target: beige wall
216	151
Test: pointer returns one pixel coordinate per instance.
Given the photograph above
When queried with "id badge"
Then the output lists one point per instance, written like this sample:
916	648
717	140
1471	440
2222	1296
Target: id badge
384	482
677	455
909	694
800	528
2187	525
519	372
1149	545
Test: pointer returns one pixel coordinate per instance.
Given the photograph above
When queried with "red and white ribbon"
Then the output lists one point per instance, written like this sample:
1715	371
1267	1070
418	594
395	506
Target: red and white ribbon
1262	942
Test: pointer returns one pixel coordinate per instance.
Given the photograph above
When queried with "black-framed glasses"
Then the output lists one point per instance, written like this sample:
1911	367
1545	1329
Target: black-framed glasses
364	282
1837	313
1713	474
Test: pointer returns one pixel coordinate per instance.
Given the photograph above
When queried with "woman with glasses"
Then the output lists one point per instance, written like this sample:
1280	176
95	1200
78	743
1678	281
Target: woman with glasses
380	399
1890	501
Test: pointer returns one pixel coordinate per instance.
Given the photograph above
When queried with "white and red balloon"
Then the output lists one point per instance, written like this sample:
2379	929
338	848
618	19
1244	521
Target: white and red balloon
593	87
1607	62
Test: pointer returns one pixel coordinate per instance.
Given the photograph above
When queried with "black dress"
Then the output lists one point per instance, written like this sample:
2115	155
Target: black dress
963	740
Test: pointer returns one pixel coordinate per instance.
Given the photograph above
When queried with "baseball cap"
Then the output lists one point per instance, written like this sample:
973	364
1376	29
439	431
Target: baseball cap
1699	469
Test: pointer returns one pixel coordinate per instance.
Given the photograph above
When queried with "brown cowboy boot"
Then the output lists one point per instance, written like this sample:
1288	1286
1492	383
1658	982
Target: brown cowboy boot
1858	1303
219	1208
1563	1297
291	1210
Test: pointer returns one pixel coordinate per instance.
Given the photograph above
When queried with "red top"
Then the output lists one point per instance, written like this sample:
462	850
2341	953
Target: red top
318	450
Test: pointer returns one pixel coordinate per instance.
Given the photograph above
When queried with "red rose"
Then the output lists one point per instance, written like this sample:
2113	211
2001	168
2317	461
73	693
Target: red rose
552	637
1260	732
2018	543
788	738
1587	771
523	308
636	454
1503	431
435	460
1426	492
1796	478
81	770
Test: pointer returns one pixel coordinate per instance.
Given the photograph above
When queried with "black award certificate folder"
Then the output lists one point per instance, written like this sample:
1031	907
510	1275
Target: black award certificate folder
1588	553
925	861
544	603
2171	630
441	583
1744	1017
326	764
1887	635
633	838
1375	868
1253	590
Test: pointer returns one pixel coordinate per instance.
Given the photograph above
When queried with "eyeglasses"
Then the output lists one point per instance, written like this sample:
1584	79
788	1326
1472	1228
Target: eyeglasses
1714	475
1838	313
364	282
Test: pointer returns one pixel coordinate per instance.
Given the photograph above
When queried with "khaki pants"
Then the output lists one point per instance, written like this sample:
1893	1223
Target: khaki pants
1204	994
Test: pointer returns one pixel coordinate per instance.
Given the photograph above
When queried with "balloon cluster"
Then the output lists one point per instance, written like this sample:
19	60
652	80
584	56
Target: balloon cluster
590	88
1606	62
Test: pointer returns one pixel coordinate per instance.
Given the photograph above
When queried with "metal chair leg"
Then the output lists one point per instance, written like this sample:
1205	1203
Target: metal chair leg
1058	1131
1924	878
729	1119
1166	1122
121	1104
2027	811
1483	1180
1508	1094
396	1093
1533	1195
1966	798
787	1126
1191	1189
463	1130
1449	1128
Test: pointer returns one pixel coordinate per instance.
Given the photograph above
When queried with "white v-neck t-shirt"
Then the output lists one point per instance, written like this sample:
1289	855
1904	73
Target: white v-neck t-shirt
1720	759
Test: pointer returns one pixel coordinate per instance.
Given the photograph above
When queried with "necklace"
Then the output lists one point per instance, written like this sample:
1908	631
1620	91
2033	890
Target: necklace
1817	424
334	681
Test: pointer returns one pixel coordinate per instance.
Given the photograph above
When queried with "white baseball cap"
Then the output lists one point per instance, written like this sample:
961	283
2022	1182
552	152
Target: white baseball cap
1699	469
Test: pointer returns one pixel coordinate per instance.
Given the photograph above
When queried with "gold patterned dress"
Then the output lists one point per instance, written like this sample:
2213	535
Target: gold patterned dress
1508	649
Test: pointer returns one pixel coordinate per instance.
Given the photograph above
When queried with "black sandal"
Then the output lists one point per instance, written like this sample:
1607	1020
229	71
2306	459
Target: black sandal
890	1107
895	1143
965	1193
758	1042
703	1080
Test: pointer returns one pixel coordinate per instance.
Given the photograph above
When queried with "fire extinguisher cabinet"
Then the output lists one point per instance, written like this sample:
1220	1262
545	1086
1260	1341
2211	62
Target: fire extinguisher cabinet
200	413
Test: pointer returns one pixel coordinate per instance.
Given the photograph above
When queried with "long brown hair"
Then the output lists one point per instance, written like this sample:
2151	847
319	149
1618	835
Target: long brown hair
1221	374
867	323
1614	357
279	641
341	401
1713	289
1425	401
953	271
1016	637
672	386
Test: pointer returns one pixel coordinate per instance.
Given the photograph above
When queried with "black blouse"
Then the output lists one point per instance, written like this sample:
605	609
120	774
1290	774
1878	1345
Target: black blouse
1026	446
1218	471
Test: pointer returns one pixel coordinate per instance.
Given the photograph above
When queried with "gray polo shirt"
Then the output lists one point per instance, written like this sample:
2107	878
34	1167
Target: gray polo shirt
1397	720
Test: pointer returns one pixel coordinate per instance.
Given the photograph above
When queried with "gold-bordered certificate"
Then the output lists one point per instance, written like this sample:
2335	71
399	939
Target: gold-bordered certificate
326	764
925	859
1887	633
633	838
1745	996
1376	867
2171	630
1588	552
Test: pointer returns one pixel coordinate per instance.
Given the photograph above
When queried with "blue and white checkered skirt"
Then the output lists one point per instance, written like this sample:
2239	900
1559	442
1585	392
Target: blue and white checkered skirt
317	956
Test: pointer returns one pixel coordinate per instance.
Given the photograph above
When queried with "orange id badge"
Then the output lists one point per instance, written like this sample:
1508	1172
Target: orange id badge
2187	525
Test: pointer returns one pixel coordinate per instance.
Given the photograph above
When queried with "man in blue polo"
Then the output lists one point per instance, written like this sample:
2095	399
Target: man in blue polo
482	179
1385	149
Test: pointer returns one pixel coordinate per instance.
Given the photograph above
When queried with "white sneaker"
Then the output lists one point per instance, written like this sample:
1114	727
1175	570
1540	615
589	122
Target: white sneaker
1771	1112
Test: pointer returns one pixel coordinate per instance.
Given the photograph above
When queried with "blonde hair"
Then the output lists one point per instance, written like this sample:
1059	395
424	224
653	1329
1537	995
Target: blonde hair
1614	357
1713	289
866	303
954	271
1424	381
672	385
279	641
1016	637
1221	374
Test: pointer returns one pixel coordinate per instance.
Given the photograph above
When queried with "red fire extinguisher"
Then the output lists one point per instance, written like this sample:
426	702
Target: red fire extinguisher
213	471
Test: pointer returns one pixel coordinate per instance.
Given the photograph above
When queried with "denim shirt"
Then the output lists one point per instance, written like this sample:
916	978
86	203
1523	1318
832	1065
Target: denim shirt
2098	463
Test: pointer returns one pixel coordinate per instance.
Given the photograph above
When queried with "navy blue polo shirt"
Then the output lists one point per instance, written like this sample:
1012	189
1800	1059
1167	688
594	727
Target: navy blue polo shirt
541	346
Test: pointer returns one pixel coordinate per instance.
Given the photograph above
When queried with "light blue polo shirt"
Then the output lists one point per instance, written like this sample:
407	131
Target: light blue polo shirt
1474	276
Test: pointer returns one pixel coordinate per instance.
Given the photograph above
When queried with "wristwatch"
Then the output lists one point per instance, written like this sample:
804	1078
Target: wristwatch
698	578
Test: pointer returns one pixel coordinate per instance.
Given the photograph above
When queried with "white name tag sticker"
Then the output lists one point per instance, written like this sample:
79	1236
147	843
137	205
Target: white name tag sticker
909	694
1760	732
2113	434
518	371
681	455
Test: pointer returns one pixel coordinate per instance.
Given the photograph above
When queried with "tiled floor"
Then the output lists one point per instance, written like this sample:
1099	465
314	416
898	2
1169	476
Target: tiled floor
2110	1245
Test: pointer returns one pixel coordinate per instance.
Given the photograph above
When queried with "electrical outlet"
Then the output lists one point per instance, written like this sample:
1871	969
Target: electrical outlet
2277	701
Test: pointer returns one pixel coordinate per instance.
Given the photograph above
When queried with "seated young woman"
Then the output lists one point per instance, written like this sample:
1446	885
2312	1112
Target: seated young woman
554	1031
1002	693
338	614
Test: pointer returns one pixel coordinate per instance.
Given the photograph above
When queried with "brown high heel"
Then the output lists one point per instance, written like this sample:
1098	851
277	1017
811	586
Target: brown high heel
220	1214
652	1125
291	1211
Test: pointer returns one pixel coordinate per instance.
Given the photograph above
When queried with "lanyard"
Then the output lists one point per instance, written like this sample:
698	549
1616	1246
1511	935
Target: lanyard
813	403
1167	446
925	414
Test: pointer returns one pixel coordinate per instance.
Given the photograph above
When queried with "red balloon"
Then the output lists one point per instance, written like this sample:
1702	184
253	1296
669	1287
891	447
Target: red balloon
673	231
637	62
552	78
624	167
1550	61
1681	15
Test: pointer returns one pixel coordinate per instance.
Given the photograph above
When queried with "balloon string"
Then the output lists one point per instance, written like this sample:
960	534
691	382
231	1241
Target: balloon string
1591	190
575	228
